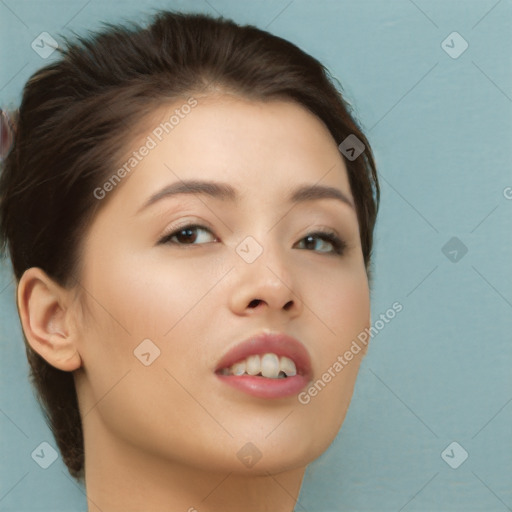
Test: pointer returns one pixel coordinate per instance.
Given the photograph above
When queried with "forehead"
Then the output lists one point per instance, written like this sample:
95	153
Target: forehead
261	148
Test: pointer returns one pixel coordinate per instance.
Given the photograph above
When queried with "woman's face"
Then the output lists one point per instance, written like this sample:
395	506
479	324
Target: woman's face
164	310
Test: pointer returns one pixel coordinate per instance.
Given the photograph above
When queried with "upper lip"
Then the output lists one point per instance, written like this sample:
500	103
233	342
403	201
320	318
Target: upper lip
269	342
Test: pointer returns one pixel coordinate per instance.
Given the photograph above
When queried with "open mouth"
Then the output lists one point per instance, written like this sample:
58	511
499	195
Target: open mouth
268	365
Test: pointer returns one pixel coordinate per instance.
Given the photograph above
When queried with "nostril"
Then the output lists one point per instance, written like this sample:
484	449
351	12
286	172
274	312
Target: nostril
255	302
288	305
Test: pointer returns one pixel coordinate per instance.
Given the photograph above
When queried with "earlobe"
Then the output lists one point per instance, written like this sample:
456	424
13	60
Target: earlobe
45	319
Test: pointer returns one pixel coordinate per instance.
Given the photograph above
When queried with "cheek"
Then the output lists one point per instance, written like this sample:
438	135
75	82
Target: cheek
145	297
342	312
348	313
342	304
131	301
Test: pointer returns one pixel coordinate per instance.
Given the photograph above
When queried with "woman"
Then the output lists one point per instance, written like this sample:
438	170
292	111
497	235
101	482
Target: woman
189	210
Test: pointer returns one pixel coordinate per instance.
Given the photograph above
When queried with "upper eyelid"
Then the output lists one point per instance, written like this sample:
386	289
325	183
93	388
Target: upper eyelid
204	225
174	229
326	231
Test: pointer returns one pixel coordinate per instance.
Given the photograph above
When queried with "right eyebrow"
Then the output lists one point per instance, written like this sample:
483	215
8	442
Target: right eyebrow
227	192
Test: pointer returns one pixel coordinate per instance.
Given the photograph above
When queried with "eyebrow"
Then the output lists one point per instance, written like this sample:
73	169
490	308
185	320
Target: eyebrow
226	192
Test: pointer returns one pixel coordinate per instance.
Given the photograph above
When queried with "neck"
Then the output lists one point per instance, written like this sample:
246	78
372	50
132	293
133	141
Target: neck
123	478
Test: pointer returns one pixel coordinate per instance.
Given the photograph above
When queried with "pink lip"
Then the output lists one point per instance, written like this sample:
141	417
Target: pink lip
276	343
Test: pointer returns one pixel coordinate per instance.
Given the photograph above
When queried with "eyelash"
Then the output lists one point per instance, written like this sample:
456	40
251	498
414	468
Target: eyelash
339	245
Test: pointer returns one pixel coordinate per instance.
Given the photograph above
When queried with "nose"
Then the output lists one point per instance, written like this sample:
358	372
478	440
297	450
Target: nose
265	285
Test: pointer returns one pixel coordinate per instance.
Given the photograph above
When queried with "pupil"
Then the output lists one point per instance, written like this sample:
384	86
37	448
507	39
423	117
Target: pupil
310	242
188	234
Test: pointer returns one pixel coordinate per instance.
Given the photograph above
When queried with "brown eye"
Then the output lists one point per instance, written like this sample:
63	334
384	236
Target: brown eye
186	235
327	237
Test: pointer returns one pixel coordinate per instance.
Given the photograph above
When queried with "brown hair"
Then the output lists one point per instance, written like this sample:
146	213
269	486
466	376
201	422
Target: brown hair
71	131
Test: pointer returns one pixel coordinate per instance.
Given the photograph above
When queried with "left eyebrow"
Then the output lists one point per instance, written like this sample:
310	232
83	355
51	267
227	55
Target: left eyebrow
312	192
227	192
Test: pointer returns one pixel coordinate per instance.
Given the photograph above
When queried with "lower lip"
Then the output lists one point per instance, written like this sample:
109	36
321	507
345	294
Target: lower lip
262	387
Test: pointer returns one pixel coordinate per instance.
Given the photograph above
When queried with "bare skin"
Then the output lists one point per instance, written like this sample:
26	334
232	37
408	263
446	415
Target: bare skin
167	436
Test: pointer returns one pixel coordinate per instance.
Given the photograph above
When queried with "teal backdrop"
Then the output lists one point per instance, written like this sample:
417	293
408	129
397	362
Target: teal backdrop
429	427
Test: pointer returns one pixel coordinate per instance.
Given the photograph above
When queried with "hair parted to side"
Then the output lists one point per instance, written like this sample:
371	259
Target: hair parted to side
73	125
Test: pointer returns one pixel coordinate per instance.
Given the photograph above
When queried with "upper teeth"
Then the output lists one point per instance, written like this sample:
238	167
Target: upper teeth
268	365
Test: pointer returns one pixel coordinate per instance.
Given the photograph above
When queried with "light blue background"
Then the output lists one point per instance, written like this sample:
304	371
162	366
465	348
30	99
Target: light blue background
442	134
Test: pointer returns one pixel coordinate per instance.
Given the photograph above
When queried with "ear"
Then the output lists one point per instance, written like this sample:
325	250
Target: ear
46	319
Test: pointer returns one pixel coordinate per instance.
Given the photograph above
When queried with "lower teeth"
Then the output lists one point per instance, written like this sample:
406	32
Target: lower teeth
281	375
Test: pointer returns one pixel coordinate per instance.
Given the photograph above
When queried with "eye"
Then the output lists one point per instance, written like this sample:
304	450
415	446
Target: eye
186	235
326	238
